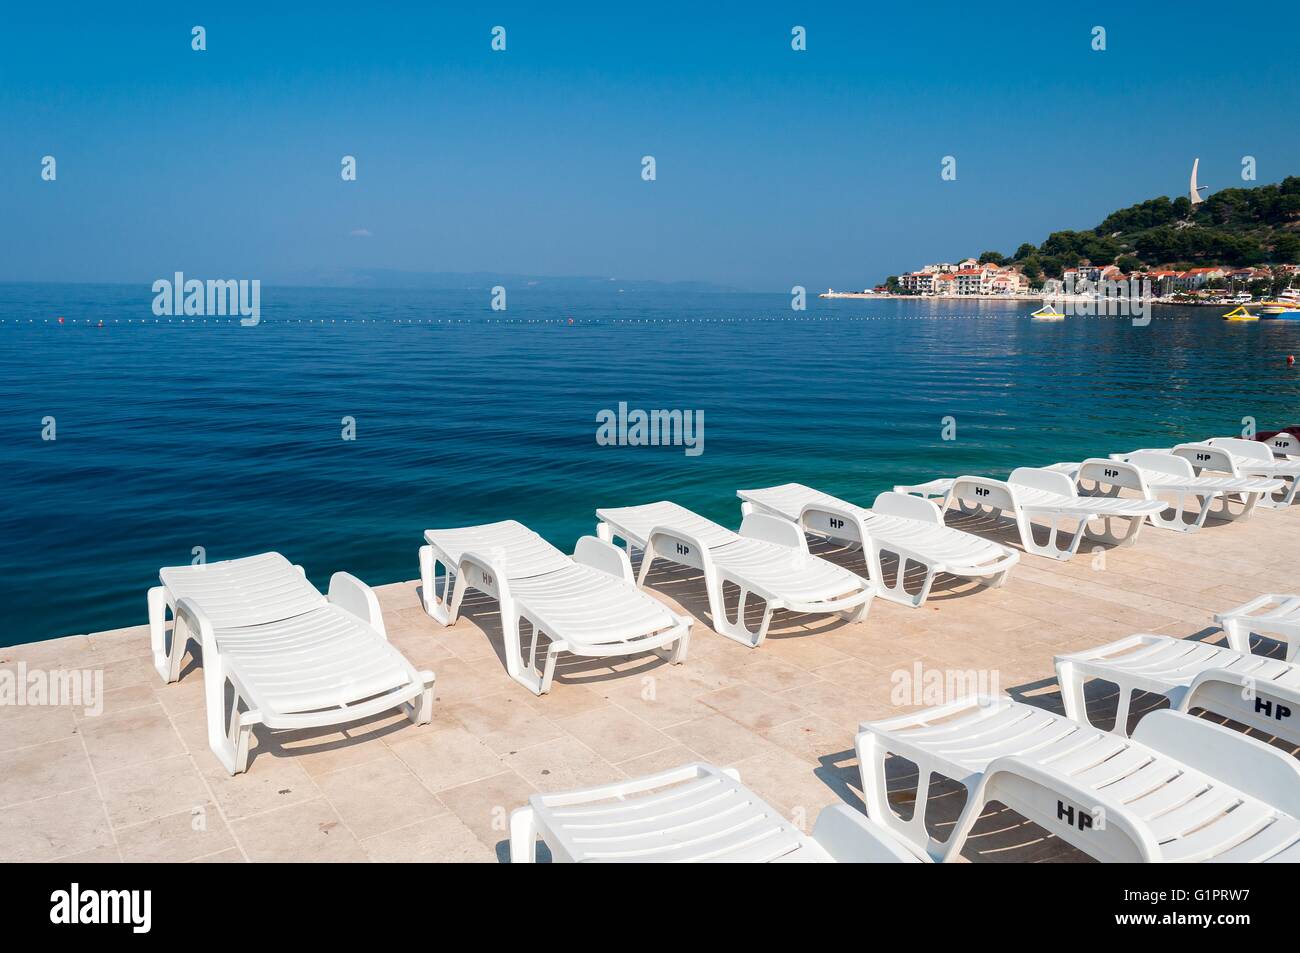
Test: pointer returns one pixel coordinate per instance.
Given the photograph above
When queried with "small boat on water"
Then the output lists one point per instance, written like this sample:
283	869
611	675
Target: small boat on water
1287	305
1240	314
1047	313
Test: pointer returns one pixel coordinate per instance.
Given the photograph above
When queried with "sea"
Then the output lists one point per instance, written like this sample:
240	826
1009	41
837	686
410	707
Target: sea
348	421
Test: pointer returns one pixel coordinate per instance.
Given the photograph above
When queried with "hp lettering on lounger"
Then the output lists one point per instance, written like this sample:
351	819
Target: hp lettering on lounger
1272	709
653	428
1078	817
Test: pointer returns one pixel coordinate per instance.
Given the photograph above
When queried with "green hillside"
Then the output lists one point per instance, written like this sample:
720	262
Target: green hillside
1239	227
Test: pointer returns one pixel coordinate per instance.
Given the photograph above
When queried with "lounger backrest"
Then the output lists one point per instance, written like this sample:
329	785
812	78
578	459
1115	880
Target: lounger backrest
249	591
1204	456
907	507
1038	478
1096	825
1284	442
1247	764
1162	463
1250	449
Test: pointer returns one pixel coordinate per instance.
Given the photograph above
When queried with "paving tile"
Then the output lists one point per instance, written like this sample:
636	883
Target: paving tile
561	765
310	831
56	826
378	796
155	789
614	734
446	759
753	708
506	721
176	838
130	737
718	739
484	806
439	840
27	774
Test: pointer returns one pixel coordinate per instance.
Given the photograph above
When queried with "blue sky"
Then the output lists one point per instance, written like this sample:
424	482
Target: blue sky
774	167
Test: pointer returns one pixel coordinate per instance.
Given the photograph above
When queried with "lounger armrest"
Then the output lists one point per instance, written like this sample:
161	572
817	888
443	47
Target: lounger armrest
850	837
773	529
483	574
605	556
352	595
1245	763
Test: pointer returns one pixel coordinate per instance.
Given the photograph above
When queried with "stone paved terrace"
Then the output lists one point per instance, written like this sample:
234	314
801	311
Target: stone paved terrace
129	784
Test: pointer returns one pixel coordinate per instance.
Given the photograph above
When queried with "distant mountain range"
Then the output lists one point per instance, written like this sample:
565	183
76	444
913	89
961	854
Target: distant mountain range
481	280
1239	227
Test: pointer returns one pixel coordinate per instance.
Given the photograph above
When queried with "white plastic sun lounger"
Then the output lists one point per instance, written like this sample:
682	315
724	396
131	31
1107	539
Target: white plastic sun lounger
587	604
1255	691
1250	458
695	813
1260	482
1158	475
294	658
1181	789
1277	616
767	559
906	527
1045	493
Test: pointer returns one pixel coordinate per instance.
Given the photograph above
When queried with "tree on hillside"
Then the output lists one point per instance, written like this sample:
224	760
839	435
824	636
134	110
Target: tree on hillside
992	258
1026	250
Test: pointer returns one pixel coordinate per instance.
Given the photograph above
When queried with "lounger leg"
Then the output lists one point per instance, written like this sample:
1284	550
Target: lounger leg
961	830
1050	549
1121	711
228	736
435	603
167	662
1238	633
523	836
875	794
526	676
420	710
1072	694
1284	497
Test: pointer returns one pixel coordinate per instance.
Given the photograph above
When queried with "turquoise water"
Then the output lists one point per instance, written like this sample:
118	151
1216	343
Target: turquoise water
175	436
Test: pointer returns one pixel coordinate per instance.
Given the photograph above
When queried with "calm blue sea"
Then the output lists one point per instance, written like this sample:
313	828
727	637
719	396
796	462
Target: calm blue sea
172	436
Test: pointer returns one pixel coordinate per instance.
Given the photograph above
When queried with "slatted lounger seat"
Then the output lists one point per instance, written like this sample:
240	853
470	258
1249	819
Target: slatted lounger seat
1042	493
1258	692
693	813
294	658
1181	789
587	604
768	559
910	529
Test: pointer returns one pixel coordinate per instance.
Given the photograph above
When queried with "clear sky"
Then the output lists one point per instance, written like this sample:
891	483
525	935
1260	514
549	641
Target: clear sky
774	167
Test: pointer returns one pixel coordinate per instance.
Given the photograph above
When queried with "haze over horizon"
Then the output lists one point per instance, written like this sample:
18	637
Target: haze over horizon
774	167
